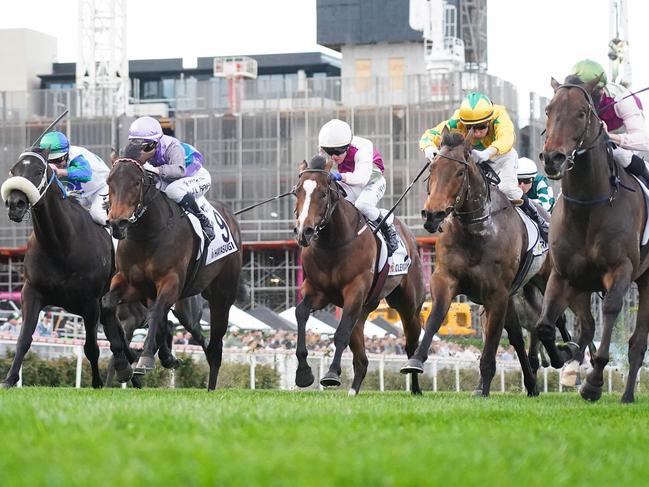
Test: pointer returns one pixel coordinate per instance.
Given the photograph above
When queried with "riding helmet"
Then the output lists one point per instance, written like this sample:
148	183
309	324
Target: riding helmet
476	108
335	133
147	128
588	70
526	168
57	143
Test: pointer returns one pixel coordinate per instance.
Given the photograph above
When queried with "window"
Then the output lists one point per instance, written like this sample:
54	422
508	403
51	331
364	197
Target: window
151	89
363	74
395	71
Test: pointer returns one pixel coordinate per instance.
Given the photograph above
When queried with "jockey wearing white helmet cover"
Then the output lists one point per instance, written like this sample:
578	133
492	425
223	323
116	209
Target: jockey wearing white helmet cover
360	173
182	175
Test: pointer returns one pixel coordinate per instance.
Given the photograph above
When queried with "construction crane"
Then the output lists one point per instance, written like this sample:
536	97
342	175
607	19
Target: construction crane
618	54
102	65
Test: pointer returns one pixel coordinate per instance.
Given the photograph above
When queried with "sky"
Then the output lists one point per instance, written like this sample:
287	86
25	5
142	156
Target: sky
528	41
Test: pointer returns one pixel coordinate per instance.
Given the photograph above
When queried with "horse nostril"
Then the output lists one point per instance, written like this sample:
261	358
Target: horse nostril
308	231
295	230
424	214
558	158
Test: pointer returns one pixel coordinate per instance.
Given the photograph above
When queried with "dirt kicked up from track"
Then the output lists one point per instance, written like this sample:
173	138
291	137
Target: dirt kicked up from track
270	438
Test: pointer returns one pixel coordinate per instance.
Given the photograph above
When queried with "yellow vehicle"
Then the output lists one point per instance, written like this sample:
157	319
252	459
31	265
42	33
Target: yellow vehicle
457	321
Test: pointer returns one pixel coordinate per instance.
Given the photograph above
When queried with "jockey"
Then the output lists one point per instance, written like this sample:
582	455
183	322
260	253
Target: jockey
493	143
534	185
83	171
623	119
179	166
360	173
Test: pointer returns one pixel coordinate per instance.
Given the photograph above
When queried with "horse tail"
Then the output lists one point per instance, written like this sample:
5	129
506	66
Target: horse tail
243	293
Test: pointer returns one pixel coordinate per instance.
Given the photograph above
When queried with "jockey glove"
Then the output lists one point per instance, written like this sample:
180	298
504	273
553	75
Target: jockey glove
335	175
482	155
430	152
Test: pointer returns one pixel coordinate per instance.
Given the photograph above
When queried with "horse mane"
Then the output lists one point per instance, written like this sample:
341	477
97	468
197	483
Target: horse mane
452	139
317	162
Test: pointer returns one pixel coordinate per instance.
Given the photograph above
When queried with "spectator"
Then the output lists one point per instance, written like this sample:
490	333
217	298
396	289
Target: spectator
12	325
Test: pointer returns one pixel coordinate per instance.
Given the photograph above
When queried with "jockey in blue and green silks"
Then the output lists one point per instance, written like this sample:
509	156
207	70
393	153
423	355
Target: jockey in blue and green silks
83	171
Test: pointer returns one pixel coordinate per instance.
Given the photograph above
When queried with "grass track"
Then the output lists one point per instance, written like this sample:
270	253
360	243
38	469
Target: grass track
233	437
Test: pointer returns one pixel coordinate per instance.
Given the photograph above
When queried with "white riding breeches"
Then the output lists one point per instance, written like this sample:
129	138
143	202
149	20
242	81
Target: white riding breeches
365	198
505	166
197	184
96	204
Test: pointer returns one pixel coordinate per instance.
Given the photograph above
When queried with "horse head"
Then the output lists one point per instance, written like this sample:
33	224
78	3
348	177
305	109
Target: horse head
128	184
28	181
315	199
573	125
448	179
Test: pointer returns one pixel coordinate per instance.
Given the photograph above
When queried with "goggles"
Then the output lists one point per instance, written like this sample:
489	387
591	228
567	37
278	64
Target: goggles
336	151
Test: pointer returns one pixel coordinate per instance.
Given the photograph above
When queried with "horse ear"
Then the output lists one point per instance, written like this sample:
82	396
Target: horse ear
302	166
114	154
555	84
468	141
46	152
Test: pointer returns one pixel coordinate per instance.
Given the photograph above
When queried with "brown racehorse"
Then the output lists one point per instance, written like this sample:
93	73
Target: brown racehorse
478	254
597	226
155	257
338	256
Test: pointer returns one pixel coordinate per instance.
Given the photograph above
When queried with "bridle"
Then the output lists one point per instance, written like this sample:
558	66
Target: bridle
614	178
44	183
484	211
146	180
333	195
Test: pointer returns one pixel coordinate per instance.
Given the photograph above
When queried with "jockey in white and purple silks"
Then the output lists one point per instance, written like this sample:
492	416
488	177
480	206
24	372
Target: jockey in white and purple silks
360	173
622	115
179	166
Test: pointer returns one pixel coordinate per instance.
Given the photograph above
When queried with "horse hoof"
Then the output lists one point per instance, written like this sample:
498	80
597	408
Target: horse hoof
533	392
413	366
170	363
97	384
590	392
352	392
304	377
330	380
136	381
124	375
569	375
146	363
139	371
416	392
6	385
479	393
627	399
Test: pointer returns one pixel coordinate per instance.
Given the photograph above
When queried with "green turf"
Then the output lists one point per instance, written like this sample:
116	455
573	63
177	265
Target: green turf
233	437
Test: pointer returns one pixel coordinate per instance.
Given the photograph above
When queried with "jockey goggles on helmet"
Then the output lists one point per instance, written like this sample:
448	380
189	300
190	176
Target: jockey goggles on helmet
146	145
481	126
336	151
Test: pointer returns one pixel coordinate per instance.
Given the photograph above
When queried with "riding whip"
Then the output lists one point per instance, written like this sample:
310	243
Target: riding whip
387	215
58	119
606	107
243	210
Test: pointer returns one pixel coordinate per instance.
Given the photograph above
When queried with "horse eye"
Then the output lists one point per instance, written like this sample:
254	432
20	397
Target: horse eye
582	115
460	173
323	195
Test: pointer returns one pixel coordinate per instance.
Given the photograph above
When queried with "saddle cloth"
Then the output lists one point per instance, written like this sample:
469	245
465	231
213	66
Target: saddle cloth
399	261
535	255
645	191
534	242
223	243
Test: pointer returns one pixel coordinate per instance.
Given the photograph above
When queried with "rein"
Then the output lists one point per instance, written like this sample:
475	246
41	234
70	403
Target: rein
142	206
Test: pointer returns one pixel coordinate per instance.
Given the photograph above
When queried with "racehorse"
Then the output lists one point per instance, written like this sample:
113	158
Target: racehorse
600	219
155	259
478	254
339	253
68	261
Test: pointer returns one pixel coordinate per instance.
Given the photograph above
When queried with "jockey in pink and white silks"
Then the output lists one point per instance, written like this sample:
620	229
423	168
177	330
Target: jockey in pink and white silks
81	171
360	173
623	118
179	166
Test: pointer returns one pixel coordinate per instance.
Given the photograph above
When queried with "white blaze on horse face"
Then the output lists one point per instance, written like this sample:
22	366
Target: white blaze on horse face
308	186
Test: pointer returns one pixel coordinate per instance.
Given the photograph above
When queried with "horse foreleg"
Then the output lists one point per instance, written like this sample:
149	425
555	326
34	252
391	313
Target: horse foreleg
442	290
189	312
515	335
557	295
31	305
303	374
360	362
353	295
616	284
219	312
167	291
638	341
91	348
496	311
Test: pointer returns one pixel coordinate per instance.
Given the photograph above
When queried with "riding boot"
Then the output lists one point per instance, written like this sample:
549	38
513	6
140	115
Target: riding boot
638	168
188	203
531	211
390	235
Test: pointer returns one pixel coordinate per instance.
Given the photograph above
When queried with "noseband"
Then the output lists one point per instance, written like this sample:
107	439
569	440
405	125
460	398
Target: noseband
331	201
145	180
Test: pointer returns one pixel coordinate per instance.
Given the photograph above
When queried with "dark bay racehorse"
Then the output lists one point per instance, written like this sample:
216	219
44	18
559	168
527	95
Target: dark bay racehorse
338	257
155	257
478	254
69	258
597	226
